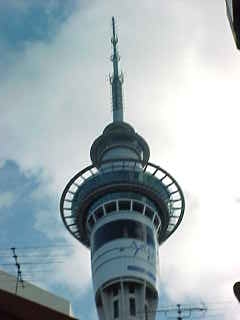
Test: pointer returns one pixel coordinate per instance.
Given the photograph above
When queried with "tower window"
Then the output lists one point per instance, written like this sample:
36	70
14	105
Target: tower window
150	238
132	307
110	207
91	222
115	309
156	222
137	206
115	290
99	213
150	294
131	287
146	312
149	213
98	301
122	229
124	205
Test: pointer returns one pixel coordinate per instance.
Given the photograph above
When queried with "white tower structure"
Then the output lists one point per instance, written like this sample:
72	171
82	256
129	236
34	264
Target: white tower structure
122	207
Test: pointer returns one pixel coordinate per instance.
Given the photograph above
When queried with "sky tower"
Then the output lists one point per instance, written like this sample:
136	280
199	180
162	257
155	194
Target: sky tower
122	207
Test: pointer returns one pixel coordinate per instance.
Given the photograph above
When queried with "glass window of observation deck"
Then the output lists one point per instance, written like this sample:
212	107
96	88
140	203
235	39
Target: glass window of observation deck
121	229
110	207
124	205
115	309
132	307
99	213
138	207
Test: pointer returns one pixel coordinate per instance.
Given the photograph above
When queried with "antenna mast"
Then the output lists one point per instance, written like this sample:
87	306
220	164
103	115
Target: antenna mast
116	79
19	272
181	311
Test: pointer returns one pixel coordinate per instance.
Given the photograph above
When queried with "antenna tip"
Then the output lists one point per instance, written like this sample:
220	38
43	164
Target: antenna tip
113	23
114	38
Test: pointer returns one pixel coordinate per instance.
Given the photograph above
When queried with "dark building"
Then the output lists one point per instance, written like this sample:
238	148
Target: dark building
233	12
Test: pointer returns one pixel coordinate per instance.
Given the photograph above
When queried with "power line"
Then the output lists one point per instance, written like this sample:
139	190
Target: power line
30	255
32	263
38	247
33	260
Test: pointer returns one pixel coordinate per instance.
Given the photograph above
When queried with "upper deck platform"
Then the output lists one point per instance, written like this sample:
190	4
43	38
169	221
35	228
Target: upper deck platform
88	185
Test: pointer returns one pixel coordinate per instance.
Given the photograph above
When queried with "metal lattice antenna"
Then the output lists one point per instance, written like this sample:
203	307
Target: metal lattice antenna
19	272
116	79
181	311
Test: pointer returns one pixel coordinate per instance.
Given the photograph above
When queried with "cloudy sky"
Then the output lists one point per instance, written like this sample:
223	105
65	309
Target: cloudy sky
181	90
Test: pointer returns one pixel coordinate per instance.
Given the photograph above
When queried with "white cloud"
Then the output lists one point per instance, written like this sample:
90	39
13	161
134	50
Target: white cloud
2	163
6	199
182	77
75	271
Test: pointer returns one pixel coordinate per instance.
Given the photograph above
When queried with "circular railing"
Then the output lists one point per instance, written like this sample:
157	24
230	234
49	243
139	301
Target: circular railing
175	200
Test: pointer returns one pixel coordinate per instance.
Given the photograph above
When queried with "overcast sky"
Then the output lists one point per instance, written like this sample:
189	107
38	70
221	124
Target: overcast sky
181	94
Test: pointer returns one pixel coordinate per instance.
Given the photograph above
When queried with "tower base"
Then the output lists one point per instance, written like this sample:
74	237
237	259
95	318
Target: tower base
127	299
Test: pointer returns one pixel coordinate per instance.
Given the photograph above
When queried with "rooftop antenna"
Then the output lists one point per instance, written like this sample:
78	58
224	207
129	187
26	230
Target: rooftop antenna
19	272
116	79
182	312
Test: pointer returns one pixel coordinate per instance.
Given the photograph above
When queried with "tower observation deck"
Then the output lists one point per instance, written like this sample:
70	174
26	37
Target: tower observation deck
122	207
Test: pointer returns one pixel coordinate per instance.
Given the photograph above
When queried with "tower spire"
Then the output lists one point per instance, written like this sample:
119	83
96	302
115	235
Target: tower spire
116	79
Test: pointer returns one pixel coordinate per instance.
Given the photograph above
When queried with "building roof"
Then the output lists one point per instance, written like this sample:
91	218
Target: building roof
34	293
19	308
